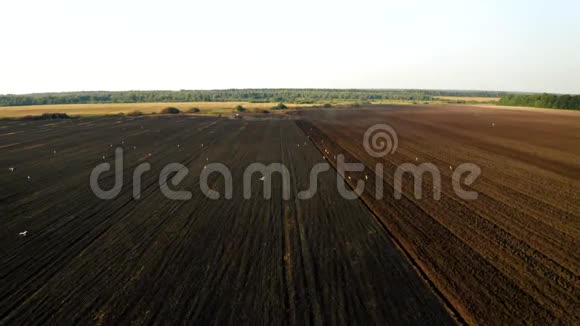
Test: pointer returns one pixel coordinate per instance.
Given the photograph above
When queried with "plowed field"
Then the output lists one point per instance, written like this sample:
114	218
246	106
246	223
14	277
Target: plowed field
510	256
155	261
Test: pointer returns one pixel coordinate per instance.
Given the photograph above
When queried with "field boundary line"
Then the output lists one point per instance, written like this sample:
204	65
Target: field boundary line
454	313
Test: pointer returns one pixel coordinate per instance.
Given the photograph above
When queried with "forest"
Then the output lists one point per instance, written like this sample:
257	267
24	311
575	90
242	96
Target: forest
549	101
300	96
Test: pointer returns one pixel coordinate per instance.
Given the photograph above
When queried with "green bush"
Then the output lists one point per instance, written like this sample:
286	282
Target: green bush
170	110
327	105
135	113
240	108
280	106
48	116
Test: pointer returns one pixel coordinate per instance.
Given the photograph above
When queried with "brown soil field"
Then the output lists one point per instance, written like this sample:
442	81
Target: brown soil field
153	261
510	256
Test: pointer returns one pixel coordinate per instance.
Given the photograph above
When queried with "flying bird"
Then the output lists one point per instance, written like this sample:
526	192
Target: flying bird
23	233
262	178
11	169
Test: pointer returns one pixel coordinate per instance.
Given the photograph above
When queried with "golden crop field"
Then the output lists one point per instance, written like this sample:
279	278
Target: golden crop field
467	99
207	108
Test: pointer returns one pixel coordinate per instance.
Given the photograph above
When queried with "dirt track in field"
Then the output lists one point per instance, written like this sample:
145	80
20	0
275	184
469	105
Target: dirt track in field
509	257
154	260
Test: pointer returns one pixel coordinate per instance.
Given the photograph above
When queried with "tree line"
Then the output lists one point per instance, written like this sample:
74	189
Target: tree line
300	96
549	101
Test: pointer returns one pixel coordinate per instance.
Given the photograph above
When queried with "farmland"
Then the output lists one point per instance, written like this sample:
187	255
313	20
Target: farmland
86	260
508	257
511	255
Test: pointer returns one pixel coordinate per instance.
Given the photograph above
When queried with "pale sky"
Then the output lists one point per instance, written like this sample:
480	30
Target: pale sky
513	45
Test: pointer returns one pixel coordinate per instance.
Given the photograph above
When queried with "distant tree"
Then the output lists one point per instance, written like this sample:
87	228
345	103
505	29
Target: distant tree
327	105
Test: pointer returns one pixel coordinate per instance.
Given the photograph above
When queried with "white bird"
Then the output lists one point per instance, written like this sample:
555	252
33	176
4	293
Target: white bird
110	145
11	169
104	157
201	145
207	158
262	178
493	124
366	177
416	159
149	154
134	147
54	152
28	177
177	145
349	178
23	233
450	168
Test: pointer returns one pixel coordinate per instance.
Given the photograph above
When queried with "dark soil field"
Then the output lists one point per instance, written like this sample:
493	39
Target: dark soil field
327	260
509	257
